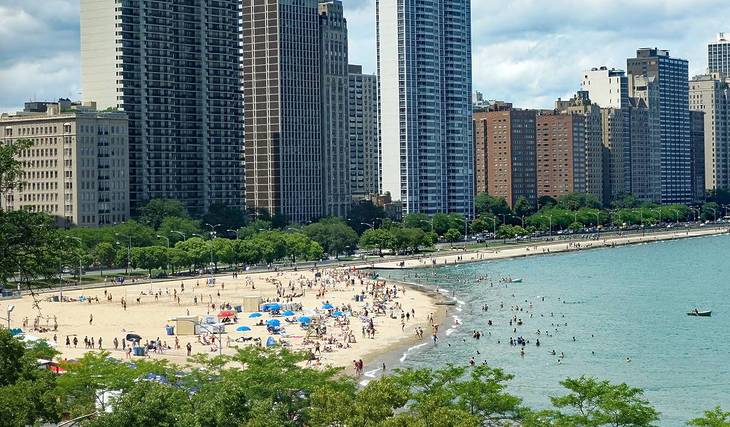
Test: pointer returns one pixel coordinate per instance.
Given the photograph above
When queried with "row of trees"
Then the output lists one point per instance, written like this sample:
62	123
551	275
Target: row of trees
275	390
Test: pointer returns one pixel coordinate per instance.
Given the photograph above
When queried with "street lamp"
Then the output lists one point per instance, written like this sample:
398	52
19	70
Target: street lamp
181	234
494	226
78	281
166	240
521	218
210	269
129	251
550	218
238	235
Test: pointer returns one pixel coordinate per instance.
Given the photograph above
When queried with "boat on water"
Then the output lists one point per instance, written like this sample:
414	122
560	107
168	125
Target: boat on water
699	313
515	281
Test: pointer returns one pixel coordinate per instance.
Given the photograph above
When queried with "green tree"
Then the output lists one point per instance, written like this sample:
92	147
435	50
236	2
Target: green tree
224	251
444	222
714	418
104	255
178	258
197	251
546	202
297	245
228	218
171	226
11	170
597	403
575	201
150	258
417	220
364	212
147	404
522	207
453	235
378	238
333	235
155	211
484	203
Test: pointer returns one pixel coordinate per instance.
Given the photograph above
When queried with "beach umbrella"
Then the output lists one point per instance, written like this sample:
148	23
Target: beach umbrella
273	322
327	307
133	338
243	329
270	342
305	319
288	313
338	314
227	313
252	315
274	306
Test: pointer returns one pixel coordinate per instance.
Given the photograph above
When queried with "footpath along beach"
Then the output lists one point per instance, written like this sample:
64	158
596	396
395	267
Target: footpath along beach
383	323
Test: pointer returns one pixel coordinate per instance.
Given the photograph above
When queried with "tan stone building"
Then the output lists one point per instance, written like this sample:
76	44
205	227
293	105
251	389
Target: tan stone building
77	169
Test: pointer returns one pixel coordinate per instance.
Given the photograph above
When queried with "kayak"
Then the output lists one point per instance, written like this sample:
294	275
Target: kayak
700	313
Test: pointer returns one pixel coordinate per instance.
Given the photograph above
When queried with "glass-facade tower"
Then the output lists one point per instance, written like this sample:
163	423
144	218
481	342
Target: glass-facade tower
425	109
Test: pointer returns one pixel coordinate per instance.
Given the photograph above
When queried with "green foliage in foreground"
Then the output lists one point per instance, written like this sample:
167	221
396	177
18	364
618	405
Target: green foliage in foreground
258	387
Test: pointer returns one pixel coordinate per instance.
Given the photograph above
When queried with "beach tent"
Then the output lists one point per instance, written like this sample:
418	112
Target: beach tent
270	342
250	303
185	325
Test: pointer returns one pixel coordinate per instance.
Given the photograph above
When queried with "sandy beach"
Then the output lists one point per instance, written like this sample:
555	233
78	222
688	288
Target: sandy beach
397	311
346	338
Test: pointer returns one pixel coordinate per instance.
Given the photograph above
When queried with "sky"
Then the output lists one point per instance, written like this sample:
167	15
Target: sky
528	52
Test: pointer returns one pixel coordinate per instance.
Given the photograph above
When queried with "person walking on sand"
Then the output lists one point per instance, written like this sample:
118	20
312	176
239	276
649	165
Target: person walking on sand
189	348
91	319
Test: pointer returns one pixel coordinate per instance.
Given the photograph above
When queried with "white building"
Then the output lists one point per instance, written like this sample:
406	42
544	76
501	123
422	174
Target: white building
77	169
425	109
718	54
607	88
710	94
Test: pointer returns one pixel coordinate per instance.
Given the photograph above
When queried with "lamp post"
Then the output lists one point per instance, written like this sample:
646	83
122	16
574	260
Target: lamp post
78	281
168	247
181	234
714	214
129	251
598	218
494	227
550	218
210	269
238	235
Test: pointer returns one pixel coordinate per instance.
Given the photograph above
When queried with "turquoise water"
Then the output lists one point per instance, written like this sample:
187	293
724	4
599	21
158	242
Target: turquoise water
618	303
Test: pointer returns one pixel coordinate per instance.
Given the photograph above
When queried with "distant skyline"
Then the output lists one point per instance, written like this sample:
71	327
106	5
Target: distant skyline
528	52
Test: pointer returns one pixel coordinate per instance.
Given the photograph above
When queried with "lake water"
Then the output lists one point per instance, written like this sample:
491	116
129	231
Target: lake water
617	303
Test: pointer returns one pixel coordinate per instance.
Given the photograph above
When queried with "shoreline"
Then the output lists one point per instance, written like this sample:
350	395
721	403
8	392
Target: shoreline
399	354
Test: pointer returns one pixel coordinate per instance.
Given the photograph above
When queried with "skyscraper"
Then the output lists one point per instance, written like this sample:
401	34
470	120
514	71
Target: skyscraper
363	129
281	84
334	86
710	93
671	77
174	67
697	120
560	141
510	155
718	55
424	78
607	88
645	157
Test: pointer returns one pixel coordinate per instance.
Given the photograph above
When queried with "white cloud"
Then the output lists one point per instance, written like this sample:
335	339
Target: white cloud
528	52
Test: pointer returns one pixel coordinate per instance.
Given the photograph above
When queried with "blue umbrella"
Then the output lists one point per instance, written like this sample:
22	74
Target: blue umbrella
338	314
243	329
252	315
270	342
305	319
273	322
288	313
327	307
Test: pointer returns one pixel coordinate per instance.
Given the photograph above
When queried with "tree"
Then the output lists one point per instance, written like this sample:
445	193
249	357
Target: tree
378	238
522	207
153	213
711	211
484	203
177	258
333	235
298	245
11	357
417	220
150	258
147	403
546	202
224	251
453	235
575	201
596	403
11	170
104	255
228	218
443	222
197	251
364	212
171	226
714	418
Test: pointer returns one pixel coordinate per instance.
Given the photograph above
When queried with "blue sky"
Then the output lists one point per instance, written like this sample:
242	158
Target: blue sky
528	52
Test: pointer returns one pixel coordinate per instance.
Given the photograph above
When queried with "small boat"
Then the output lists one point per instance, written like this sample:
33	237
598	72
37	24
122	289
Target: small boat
700	313
515	281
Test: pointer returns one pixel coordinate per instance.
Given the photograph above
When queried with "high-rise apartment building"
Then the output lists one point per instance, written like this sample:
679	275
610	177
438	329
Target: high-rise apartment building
606	88
511	155
481	166
718	55
281	80
77	168
710	94
560	142
334	86
697	120
425	109
363	130
173	66
645	153
616	139
671	78
591	164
